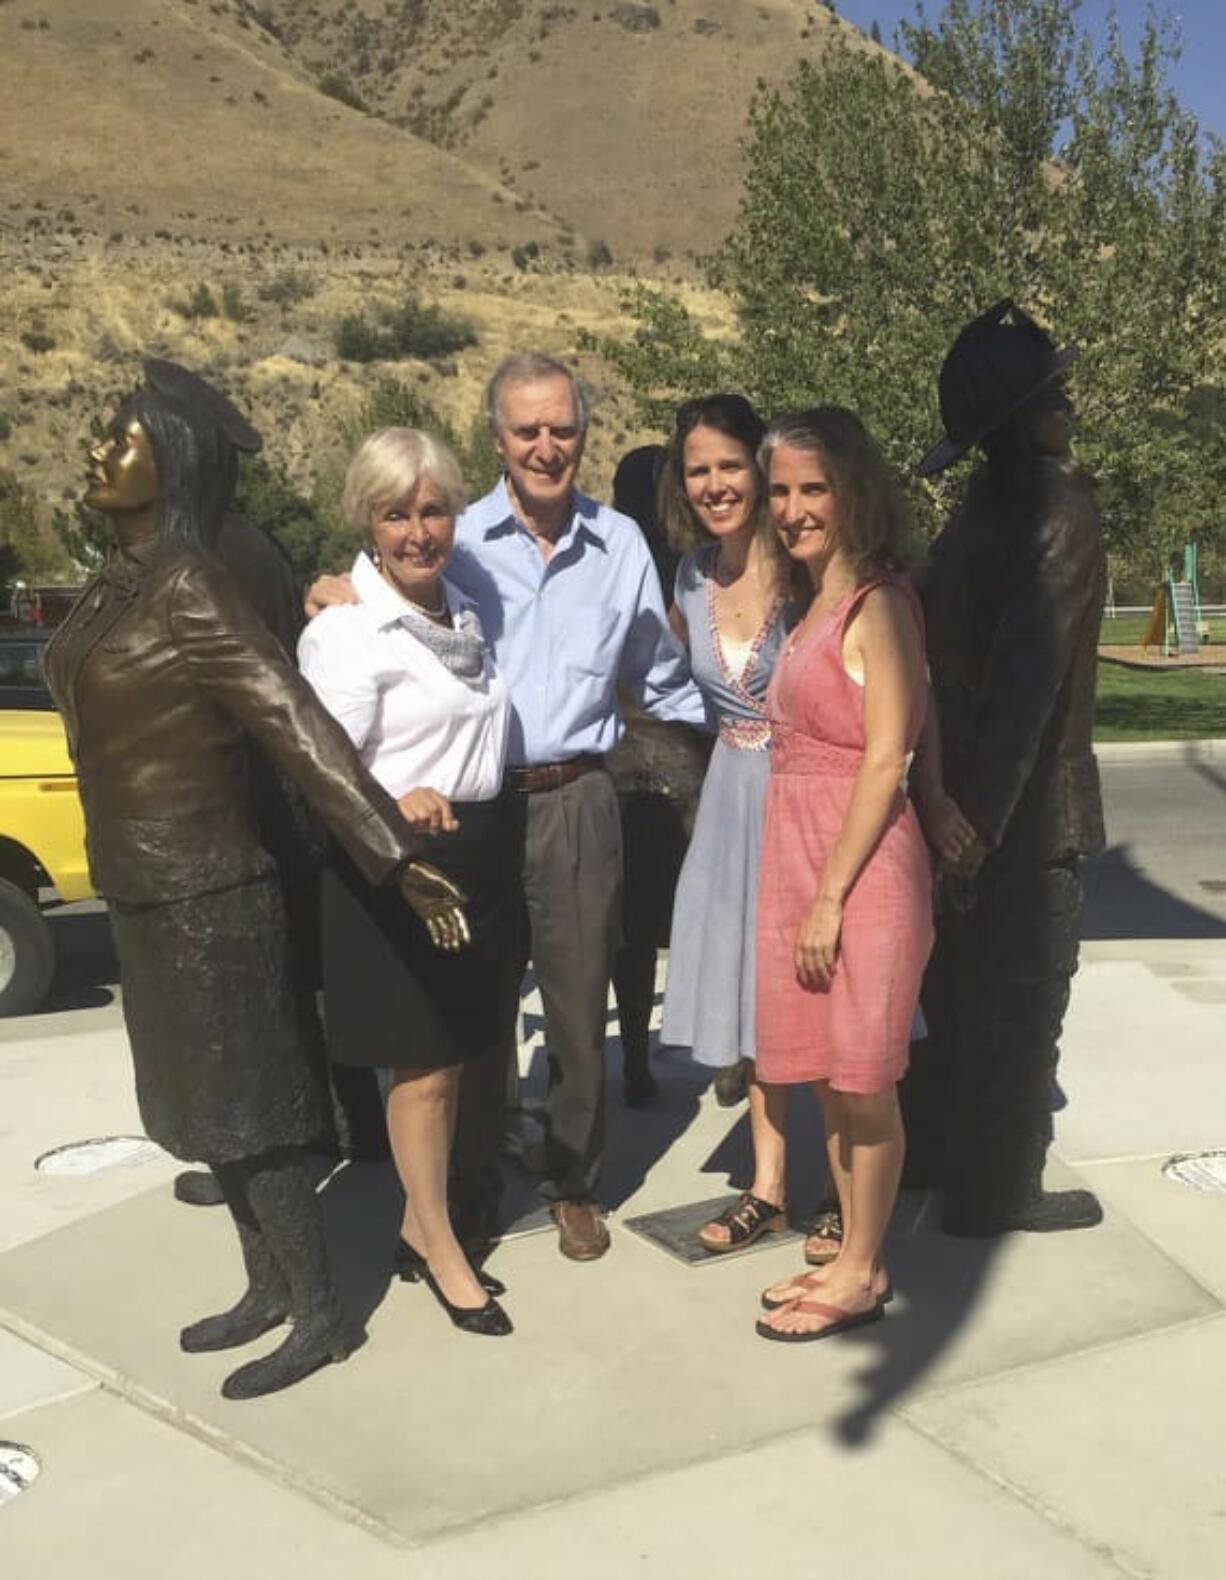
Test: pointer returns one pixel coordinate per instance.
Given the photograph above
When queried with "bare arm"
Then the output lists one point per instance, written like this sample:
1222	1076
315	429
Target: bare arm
680	628
885	640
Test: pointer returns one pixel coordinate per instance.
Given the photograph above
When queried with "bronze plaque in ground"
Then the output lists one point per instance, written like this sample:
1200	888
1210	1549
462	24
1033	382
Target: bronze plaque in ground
675	1230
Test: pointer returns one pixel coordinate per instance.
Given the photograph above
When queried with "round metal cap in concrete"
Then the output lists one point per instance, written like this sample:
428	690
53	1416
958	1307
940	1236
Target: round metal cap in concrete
94	1157
19	1467
1200	1170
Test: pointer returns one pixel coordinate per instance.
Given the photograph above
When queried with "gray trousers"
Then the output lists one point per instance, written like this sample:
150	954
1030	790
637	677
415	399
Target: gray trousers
567	848
570	930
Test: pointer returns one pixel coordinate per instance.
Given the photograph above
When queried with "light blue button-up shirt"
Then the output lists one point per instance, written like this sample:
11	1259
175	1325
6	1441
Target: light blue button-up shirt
566	631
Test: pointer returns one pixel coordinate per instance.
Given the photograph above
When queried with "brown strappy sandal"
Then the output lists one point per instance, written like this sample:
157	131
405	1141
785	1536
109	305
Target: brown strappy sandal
746	1220
827	1226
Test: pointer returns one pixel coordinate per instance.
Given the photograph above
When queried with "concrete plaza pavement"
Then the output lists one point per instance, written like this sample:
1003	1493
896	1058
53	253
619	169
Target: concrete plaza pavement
1032	1405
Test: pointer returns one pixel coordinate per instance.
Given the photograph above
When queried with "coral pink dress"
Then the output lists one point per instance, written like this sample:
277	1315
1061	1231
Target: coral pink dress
856	1032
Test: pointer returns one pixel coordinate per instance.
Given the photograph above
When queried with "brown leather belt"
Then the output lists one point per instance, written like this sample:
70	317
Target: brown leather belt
551	776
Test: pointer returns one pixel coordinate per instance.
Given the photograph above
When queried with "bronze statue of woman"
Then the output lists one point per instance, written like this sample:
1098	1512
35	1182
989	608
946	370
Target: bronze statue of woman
161	672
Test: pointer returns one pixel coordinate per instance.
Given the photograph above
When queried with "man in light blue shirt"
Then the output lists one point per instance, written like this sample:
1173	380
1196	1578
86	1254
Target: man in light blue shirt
570	601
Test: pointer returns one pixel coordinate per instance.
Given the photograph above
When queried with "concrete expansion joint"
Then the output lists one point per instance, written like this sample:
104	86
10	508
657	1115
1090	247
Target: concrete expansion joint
1071	1357
1021	1494
182	1420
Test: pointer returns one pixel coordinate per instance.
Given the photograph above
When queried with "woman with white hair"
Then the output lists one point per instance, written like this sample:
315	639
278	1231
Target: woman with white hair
407	673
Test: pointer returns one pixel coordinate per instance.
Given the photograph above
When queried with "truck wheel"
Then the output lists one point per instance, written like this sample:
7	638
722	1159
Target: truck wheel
27	953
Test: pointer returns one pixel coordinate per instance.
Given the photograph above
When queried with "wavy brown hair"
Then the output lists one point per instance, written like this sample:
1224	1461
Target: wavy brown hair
874	519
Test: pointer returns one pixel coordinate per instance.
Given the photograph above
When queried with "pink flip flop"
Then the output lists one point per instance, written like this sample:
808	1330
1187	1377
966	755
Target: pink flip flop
812	1281
840	1321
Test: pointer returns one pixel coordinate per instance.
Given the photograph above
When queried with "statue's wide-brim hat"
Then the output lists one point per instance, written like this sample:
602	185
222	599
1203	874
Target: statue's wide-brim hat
189	389
999	362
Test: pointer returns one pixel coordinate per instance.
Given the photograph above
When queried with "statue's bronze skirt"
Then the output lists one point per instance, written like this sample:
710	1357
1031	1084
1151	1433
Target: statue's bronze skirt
225	1053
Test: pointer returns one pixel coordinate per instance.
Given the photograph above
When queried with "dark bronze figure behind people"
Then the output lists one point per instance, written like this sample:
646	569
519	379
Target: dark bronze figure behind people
1014	599
657	769
162	673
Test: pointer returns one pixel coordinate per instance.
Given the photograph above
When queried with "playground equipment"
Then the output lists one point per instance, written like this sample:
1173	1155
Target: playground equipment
1175	620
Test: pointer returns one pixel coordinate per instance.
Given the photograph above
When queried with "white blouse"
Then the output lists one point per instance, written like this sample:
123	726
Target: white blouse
415	724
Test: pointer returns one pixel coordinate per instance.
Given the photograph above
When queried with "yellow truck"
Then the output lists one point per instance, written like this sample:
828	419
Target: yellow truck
42	849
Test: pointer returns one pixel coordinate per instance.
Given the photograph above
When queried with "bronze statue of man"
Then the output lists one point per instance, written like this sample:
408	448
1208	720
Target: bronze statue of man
1013	599
162	673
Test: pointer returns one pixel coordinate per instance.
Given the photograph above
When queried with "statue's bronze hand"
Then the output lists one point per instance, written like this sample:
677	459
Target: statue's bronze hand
438	902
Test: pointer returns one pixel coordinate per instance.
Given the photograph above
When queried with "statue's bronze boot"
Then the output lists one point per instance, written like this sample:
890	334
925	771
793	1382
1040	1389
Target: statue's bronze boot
279	1197
315	1341
264	1306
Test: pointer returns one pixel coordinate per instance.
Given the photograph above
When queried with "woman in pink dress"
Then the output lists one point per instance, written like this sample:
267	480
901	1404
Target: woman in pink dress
845	897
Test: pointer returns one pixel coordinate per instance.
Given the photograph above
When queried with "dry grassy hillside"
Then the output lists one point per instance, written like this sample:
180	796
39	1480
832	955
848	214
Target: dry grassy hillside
73	329
622	116
144	116
156	151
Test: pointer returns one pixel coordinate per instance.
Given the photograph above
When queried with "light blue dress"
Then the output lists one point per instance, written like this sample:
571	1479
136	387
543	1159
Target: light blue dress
709	995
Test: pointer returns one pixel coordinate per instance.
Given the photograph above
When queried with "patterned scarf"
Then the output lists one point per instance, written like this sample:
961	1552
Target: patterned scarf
459	647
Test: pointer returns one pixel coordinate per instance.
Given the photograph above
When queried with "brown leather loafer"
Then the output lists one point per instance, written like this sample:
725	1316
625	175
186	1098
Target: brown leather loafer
582	1233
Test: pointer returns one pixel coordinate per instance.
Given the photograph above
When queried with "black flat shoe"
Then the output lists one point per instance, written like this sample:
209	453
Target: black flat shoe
490	1319
410	1267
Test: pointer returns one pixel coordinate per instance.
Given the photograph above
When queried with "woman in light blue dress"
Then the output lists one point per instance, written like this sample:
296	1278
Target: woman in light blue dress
732	607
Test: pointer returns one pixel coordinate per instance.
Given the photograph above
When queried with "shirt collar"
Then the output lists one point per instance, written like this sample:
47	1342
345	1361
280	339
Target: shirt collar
384	603
498	518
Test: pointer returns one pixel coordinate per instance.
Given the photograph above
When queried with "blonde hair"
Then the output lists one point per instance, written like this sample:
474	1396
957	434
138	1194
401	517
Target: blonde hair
389	465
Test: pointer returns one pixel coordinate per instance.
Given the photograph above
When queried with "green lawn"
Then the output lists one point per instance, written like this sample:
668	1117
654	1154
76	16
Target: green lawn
1155	705
1124	631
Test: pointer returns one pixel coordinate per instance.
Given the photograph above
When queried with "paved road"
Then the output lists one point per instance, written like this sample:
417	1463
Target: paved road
1166	827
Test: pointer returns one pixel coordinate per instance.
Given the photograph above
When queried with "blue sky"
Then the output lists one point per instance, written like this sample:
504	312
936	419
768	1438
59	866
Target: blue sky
1197	78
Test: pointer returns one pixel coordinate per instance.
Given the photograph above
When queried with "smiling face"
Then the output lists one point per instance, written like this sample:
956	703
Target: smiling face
122	478
539	438
803	506
721	481
413	538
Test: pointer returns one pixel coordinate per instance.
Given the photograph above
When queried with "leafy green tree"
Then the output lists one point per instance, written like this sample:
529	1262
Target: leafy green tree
315	538
84	535
885	204
29	553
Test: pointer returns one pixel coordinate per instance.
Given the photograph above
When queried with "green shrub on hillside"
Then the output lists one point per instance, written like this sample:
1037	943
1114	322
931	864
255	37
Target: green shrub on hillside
358	341
200	304
288	288
415	329
338	87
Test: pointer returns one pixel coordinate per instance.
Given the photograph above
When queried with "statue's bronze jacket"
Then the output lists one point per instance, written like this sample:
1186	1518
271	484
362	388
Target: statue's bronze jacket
158	671
1014	599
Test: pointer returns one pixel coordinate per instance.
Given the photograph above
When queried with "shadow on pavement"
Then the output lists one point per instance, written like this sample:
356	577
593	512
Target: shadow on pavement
938	1282
938	1279
362	1208
1121	902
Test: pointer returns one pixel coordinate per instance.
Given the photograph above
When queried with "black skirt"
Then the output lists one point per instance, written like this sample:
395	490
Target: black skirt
391	999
